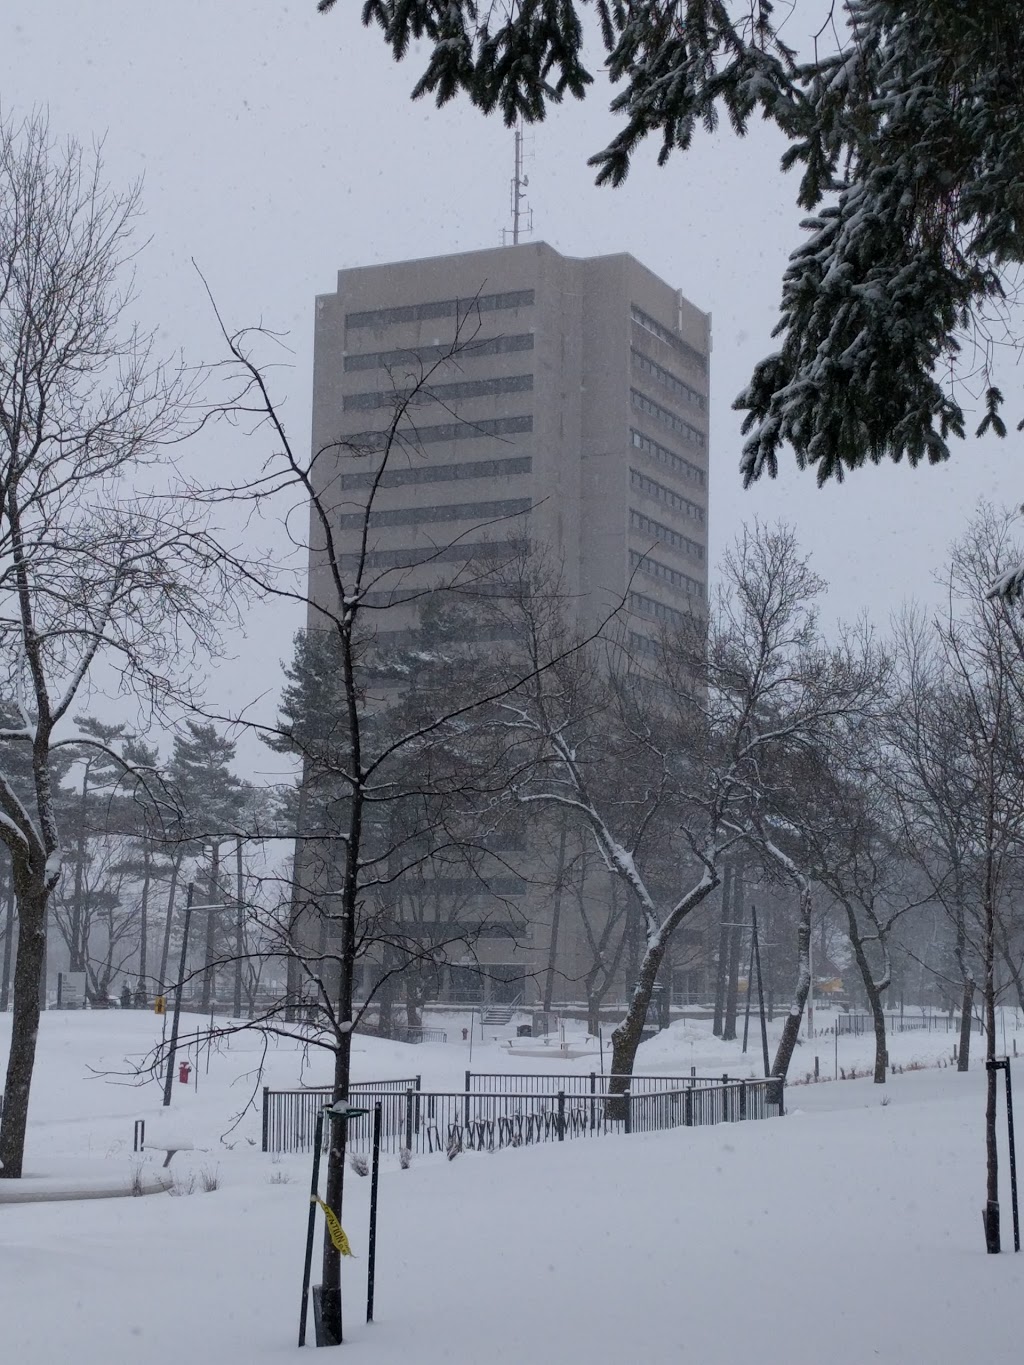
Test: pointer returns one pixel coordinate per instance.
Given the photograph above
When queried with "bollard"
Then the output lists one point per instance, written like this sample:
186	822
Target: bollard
817	1073
139	1138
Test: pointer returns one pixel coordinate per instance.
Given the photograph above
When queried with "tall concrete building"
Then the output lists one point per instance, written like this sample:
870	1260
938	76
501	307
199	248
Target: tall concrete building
574	416
573	419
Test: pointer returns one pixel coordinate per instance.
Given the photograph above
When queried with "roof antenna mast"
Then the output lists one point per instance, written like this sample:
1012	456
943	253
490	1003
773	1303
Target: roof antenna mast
522	213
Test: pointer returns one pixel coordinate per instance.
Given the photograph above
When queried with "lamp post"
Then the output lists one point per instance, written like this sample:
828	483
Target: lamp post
173	1045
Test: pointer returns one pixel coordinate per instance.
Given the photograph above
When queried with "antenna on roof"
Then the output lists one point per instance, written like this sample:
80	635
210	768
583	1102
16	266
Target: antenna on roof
522	213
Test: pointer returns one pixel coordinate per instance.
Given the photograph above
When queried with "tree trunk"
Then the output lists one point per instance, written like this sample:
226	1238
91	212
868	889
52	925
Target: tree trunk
77	944
239	930
732	986
142	991
210	956
873	992
626	1038
966	1010
990	1214
556	915
791	1028
413	1003
5	975
28	971
721	973
165	950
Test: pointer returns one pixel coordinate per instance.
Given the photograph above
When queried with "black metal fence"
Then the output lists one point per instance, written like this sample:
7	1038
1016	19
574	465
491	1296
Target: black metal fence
478	1120
854	1023
289	1116
409	1034
580	1083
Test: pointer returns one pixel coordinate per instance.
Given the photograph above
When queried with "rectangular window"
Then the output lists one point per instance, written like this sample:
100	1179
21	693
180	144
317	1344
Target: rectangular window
668	419
446	431
419	516
653	489
429	355
668	458
656	530
441	393
668	380
655	611
681	347
653	568
441	473
441	308
414	557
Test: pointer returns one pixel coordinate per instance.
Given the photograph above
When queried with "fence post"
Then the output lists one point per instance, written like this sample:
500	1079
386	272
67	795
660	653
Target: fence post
743	1100
418	1089
593	1091
561	1116
266	1117
465	1119
628	1100
408	1119
688	1107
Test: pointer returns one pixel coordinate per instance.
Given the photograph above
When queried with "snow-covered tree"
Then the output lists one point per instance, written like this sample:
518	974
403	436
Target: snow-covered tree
905	122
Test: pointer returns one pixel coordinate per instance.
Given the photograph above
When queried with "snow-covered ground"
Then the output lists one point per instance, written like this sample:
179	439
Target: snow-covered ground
846	1233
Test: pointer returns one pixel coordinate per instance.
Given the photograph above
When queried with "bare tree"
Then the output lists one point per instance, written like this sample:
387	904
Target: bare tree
399	732
693	733
98	580
981	643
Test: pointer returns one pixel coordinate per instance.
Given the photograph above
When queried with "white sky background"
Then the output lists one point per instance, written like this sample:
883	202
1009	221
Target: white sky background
278	145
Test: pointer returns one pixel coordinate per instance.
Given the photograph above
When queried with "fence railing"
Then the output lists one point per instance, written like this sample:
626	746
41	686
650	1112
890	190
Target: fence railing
857	1023
580	1083
477	1120
289	1116
408	1034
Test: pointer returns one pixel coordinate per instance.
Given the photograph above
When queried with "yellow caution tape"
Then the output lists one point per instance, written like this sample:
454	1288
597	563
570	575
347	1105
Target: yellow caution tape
334	1228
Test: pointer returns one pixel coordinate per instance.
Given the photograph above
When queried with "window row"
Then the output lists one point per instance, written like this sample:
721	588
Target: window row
462	552
441	393
668	458
657	490
677	343
418	516
441	308
440	473
655	611
418	639
668	380
653	568
668	419
646	526
445	431
428	355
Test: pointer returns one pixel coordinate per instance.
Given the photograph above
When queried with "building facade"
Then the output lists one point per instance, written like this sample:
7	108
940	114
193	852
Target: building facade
566	412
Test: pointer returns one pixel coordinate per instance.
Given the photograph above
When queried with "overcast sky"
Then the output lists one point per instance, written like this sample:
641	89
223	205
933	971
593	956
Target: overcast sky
278	145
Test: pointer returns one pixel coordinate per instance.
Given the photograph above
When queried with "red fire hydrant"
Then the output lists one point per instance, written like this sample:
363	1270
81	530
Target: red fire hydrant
183	1072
